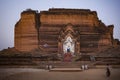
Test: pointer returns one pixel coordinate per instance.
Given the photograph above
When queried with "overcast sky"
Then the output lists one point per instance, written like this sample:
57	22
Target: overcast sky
108	11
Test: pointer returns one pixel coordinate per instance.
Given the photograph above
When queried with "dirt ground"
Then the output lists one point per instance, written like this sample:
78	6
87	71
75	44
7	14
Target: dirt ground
39	74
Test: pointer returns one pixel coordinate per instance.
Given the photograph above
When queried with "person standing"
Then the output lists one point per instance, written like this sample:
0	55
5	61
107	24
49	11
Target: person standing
108	73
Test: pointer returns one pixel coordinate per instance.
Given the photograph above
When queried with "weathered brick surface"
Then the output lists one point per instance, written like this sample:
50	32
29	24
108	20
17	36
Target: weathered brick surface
47	30
26	36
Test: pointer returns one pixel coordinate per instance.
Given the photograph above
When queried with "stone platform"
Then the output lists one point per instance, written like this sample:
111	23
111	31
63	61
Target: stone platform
65	70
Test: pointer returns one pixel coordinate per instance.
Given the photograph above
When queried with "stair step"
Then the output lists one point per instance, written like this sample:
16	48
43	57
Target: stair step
65	70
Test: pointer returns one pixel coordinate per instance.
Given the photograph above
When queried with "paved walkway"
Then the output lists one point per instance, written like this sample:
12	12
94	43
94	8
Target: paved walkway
39	74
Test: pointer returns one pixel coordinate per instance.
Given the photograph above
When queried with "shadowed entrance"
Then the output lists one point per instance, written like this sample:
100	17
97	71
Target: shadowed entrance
68	49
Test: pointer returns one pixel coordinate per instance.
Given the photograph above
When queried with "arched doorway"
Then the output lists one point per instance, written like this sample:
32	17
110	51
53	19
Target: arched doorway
69	42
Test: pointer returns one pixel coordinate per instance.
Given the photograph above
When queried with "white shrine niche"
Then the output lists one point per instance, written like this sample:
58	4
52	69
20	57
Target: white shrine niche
69	45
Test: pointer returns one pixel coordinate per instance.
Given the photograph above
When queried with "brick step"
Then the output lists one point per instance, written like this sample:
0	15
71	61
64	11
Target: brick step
68	65
65	70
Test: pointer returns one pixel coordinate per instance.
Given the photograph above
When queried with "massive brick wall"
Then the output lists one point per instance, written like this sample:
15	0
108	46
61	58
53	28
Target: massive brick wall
43	31
94	35
76	17
26	36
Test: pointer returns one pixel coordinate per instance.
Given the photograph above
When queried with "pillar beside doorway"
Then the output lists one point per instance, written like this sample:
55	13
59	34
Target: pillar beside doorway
77	48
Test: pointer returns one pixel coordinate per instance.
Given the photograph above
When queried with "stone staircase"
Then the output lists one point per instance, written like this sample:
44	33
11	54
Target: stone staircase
67	65
71	64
